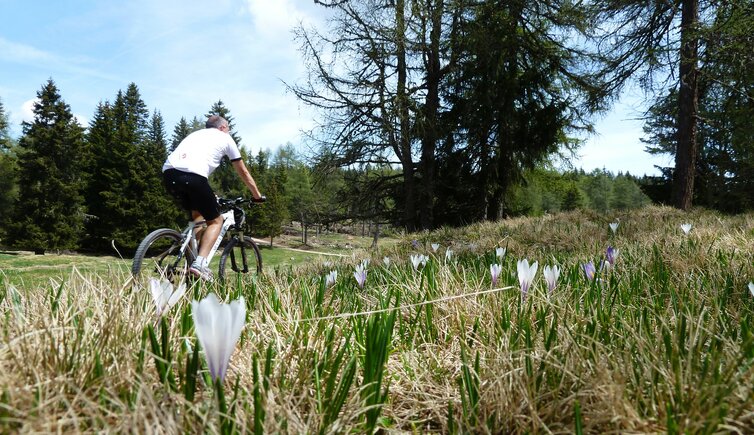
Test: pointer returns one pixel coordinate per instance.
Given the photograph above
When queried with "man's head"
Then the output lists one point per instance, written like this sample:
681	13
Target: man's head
218	122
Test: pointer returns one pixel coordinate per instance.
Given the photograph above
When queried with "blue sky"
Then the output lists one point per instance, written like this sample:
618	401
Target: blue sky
186	55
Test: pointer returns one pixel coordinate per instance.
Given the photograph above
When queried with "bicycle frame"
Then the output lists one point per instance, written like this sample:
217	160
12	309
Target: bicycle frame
189	239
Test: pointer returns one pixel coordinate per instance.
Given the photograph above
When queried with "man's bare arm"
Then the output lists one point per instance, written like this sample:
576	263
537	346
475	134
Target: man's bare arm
246	177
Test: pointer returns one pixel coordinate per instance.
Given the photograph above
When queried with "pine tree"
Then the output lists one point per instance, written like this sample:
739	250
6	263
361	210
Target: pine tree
117	139
49	212
269	218
160	209
180	132
8	182
5	140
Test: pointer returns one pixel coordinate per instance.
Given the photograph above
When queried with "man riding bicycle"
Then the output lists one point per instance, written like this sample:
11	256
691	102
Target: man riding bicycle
186	177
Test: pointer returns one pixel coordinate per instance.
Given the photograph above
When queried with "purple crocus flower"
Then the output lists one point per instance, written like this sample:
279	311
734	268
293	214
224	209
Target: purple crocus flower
589	270
611	255
361	275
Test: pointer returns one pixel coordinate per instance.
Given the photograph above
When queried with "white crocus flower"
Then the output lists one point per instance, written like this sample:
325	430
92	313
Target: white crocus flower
526	275
614	227
418	260
386	261
551	276
495	270
163	295
218	327
364	263
448	254
751	288
500	252
331	278
360	274
686	228
435	246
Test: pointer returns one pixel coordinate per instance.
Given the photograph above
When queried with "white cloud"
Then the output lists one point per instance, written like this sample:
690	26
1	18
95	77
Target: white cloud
27	110
21	53
81	119
274	20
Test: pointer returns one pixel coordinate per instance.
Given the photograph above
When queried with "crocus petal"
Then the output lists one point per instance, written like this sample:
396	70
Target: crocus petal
614	227
686	228
331	278
495	270
435	246
176	296
160	294
589	270
751	288
499	252
415	261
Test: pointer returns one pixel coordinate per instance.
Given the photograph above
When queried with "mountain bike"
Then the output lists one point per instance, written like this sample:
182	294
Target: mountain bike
167	254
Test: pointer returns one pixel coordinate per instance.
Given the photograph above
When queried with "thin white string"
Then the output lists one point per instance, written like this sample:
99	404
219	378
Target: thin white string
402	307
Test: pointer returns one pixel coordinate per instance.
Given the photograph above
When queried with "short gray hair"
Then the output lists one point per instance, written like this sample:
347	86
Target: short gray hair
215	121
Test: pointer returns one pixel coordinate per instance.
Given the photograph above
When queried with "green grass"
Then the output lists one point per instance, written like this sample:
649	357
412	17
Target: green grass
29	270
662	342
26	270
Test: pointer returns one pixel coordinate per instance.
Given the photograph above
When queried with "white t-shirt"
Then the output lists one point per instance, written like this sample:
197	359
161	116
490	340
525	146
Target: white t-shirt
201	152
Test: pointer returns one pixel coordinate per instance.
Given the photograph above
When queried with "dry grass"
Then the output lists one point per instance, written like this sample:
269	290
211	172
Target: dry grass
662	343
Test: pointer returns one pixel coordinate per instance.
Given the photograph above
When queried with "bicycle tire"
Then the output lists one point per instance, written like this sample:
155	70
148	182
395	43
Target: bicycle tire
157	257
237	254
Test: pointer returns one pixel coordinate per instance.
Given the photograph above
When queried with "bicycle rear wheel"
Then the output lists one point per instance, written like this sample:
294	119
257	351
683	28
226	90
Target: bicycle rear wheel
158	256
240	257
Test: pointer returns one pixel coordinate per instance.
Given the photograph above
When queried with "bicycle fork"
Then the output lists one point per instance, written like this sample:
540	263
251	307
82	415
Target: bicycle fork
233	263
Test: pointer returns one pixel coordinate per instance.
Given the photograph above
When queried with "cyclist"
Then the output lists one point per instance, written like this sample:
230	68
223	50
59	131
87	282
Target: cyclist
186	173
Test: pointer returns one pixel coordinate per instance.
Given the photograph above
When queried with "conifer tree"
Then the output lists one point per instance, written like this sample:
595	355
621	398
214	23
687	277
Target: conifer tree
267	220
119	164
8	182
49	211
160	209
180	132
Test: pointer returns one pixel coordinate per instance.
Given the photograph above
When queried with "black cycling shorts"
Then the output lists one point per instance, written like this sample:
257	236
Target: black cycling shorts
192	191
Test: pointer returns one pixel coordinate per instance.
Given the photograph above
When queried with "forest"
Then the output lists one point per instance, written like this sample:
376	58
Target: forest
431	113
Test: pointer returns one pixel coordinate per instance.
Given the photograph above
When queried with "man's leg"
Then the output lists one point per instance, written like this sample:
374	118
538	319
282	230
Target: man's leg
210	236
198	230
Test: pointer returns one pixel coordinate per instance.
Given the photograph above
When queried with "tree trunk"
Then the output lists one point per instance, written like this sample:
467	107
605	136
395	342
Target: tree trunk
431	107
376	235
409	190
688	107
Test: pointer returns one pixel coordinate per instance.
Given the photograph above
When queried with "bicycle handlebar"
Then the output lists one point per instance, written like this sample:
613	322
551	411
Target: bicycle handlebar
240	200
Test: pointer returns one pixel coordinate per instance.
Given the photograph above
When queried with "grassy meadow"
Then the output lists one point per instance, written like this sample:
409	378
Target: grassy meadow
662	341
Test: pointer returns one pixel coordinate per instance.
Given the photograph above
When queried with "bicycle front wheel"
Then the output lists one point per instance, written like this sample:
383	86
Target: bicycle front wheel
240	257
159	256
